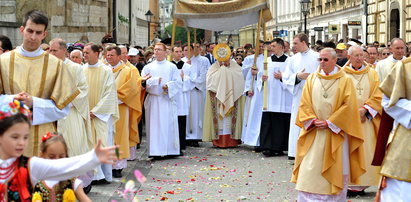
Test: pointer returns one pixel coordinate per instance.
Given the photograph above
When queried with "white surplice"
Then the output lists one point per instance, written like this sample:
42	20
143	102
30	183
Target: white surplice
183	98
198	72
161	108
279	99
253	111
307	61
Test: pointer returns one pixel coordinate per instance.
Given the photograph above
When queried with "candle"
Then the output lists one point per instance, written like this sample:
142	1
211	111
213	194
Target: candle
265	54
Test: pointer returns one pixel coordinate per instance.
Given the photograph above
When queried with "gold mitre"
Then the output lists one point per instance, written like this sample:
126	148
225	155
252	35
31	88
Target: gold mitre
222	52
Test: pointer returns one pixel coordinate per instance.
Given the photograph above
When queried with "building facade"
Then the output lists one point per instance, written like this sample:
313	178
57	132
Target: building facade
85	20
388	19
131	22
286	20
336	20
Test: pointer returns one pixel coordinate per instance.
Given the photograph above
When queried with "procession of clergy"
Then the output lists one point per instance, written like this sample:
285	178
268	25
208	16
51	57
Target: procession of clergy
327	117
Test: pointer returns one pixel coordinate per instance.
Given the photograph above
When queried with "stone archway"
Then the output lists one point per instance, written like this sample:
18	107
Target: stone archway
394	23
394	28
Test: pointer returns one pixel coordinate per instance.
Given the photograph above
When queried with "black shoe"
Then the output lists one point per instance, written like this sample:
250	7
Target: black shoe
87	189
195	144
117	173
270	153
104	181
181	153
258	149
352	194
291	158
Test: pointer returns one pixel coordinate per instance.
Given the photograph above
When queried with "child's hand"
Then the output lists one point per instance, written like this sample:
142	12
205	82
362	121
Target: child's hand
106	155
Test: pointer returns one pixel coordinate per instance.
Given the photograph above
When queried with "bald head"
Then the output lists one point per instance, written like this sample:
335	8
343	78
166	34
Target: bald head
397	48
58	48
356	56
123	55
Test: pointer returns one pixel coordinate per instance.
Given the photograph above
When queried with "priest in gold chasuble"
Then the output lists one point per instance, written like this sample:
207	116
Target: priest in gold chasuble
369	97
40	80
396	166
329	148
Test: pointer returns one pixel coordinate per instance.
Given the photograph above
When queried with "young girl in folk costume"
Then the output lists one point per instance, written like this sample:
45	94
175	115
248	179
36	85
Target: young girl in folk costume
54	146
18	173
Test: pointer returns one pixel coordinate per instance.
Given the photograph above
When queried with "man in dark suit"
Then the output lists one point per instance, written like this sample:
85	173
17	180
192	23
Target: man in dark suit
209	55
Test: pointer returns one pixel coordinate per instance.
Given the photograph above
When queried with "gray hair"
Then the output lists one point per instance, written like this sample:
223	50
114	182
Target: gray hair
331	51
61	42
122	46
76	51
351	49
397	39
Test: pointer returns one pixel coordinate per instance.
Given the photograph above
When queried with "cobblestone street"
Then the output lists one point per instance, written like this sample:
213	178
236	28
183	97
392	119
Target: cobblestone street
209	174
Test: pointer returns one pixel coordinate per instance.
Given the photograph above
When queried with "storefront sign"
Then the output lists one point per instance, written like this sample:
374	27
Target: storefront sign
354	22
318	28
334	29
276	33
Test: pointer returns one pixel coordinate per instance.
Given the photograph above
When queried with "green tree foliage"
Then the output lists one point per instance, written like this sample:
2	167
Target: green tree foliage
181	34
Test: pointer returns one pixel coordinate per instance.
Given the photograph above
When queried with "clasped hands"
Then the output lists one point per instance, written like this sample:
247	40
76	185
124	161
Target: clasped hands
165	87
26	98
320	124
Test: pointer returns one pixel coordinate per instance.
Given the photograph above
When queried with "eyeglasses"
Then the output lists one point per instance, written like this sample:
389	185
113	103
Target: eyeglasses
238	58
385	53
323	59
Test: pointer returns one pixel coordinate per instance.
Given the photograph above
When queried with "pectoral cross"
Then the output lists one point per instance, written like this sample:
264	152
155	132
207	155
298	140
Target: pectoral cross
359	89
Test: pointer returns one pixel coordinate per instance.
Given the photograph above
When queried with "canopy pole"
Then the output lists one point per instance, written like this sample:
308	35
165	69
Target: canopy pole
195	41
173	33
254	67
265	68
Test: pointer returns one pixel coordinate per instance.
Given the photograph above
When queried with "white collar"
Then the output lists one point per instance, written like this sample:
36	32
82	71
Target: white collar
361	68
162	61
331	73
29	54
395	60
119	63
95	65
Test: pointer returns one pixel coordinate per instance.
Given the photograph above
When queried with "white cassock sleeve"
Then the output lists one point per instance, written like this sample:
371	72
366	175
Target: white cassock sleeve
62	169
175	84
153	87
247	64
200	79
247	84
6	99
401	111
289	78
372	111
46	111
187	84
103	117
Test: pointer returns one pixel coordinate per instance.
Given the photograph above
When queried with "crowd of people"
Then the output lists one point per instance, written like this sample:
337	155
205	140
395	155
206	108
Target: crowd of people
339	111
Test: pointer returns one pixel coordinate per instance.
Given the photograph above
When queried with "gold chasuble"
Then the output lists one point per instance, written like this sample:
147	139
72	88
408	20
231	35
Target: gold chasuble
319	161
128	92
75	127
224	99
366	84
44	76
397	161
134	136
102	98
